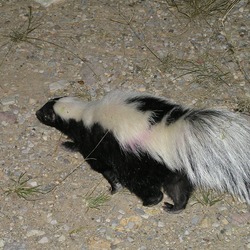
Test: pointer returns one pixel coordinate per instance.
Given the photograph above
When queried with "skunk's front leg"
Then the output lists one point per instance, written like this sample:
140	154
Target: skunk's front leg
110	176
107	172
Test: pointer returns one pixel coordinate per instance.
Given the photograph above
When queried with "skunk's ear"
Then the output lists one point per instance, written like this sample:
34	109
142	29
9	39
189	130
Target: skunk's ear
46	114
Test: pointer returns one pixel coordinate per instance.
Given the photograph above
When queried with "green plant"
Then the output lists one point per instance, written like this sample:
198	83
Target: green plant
207	198
21	189
97	201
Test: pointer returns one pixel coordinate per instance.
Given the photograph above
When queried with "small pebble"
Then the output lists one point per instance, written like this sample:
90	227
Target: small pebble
145	216
8	100
130	225
130	239
215	224
60	85
44	240
1	243
47	3
161	224
32	183
7	118
121	212
61	238
35	232
195	220
53	222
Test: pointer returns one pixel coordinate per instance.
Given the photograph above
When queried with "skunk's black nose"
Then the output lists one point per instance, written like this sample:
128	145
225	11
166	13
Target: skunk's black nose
39	114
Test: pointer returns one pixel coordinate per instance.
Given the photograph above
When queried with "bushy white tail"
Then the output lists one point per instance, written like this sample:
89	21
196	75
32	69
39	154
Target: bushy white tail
214	151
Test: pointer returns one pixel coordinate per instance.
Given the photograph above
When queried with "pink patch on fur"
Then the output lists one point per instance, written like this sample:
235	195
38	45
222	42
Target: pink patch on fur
136	144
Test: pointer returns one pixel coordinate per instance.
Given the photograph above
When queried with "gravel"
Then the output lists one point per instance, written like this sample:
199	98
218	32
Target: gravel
87	48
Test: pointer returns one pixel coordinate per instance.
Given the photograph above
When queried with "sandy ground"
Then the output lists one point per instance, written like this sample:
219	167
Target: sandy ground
88	48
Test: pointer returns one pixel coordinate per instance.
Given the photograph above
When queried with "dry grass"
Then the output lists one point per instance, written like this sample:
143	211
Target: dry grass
21	34
25	34
243	106
203	8
201	70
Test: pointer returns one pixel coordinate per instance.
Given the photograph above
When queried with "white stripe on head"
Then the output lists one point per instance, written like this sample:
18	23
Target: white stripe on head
70	108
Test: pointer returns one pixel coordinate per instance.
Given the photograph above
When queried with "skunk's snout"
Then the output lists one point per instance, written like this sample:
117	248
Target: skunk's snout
43	116
39	115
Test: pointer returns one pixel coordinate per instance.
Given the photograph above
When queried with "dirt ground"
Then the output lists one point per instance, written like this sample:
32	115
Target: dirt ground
50	199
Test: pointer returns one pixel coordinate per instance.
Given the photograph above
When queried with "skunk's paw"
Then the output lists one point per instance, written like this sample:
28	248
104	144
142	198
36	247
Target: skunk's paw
115	188
151	201
172	208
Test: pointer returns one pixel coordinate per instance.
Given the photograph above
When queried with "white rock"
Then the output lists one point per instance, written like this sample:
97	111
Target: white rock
33	183
61	238
1	243
160	224
8	100
44	240
121	212
35	232
53	222
145	216
47	3
59	85
241	9
45	137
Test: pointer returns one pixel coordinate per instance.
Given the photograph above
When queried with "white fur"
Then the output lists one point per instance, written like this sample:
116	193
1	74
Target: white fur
214	154
70	108
113	115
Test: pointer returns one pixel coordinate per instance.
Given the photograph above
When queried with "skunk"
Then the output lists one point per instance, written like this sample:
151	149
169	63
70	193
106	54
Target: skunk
149	144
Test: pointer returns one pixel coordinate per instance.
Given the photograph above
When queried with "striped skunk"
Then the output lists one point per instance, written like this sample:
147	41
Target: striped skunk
148	144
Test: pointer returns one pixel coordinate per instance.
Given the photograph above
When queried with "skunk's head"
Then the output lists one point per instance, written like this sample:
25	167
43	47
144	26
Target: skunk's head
61	112
46	114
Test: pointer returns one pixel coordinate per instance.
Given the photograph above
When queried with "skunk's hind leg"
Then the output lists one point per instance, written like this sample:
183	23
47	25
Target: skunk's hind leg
149	196
179	189
149	193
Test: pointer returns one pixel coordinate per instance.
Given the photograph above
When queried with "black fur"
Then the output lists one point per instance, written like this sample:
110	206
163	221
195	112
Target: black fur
159	107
